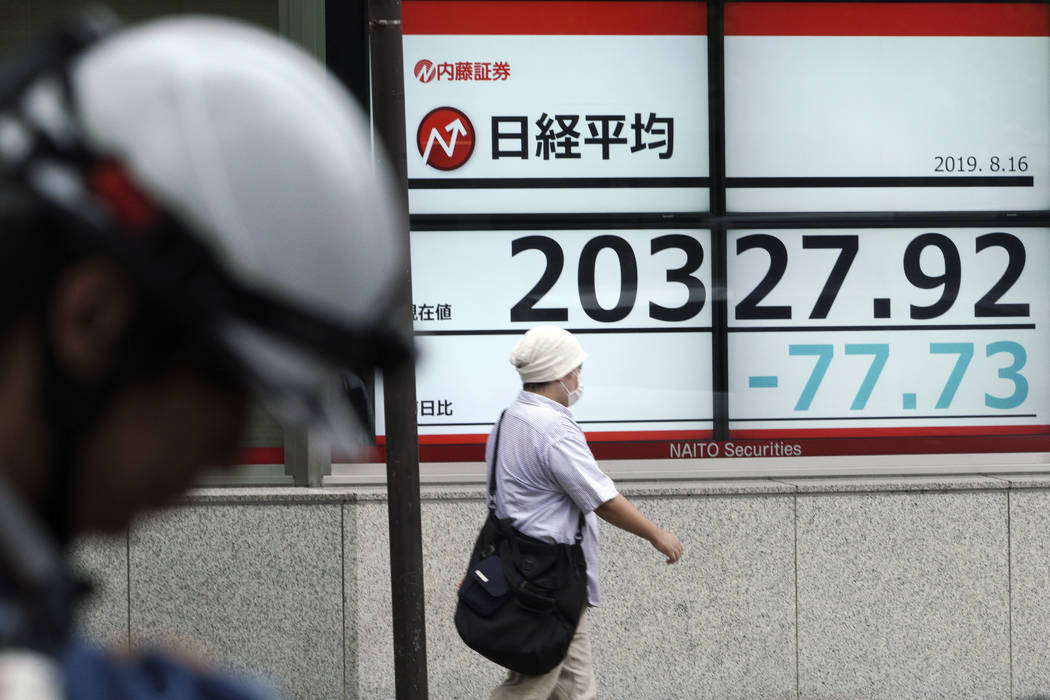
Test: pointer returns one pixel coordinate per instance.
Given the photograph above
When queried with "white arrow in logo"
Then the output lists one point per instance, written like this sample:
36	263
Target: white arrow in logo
455	128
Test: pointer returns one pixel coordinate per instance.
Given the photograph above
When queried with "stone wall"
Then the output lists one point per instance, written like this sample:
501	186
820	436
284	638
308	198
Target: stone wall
829	588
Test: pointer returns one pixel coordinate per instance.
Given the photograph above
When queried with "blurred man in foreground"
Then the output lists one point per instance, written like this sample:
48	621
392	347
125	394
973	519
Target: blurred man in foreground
189	220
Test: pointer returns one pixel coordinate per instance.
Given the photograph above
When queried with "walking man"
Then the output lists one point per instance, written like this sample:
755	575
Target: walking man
546	475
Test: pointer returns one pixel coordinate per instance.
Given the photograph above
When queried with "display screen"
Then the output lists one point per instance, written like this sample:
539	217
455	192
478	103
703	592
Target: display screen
778	228
517	107
887	106
624	292
877	332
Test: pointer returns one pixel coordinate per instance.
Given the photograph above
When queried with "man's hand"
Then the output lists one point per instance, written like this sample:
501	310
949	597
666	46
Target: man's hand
620	512
668	545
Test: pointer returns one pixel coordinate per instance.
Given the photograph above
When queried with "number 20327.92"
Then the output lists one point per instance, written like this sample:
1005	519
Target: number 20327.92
946	277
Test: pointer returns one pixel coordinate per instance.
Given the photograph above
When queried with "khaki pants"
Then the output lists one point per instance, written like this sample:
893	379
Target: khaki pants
573	679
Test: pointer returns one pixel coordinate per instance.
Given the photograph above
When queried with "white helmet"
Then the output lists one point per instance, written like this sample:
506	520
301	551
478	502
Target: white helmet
245	152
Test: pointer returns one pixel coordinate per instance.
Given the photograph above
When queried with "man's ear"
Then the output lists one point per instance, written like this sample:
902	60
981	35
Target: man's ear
93	302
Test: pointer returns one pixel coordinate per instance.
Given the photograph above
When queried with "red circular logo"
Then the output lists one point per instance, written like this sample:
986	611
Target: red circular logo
445	138
425	71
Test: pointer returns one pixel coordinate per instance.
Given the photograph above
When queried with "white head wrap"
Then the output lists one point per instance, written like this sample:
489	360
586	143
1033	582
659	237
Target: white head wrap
545	354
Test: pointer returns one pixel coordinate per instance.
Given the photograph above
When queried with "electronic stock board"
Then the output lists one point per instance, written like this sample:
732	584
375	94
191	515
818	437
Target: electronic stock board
780	229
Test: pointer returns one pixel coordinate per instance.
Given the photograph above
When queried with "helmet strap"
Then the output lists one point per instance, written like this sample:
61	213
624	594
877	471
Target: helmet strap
65	404
72	407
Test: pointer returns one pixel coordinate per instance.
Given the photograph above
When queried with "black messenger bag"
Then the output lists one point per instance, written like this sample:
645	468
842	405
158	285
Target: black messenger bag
522	598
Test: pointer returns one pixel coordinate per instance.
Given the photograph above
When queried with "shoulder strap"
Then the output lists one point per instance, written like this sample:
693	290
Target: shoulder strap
492	480
492	467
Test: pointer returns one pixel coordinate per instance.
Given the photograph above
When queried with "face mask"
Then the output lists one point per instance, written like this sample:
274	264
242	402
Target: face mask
575	394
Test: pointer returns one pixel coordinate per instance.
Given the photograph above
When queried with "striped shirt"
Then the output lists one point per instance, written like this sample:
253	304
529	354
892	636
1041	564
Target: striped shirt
546	475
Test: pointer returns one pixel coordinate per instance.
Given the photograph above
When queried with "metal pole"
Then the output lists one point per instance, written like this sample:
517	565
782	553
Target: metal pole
402	450
719	274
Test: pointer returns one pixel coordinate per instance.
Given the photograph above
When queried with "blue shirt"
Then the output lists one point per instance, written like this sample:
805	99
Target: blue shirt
40	645
546	475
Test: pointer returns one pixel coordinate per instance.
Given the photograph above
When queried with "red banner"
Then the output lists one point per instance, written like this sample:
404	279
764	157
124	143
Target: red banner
553	17
760	443
886	19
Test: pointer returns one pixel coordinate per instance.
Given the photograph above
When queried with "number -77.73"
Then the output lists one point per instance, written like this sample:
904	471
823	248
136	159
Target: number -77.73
880	353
